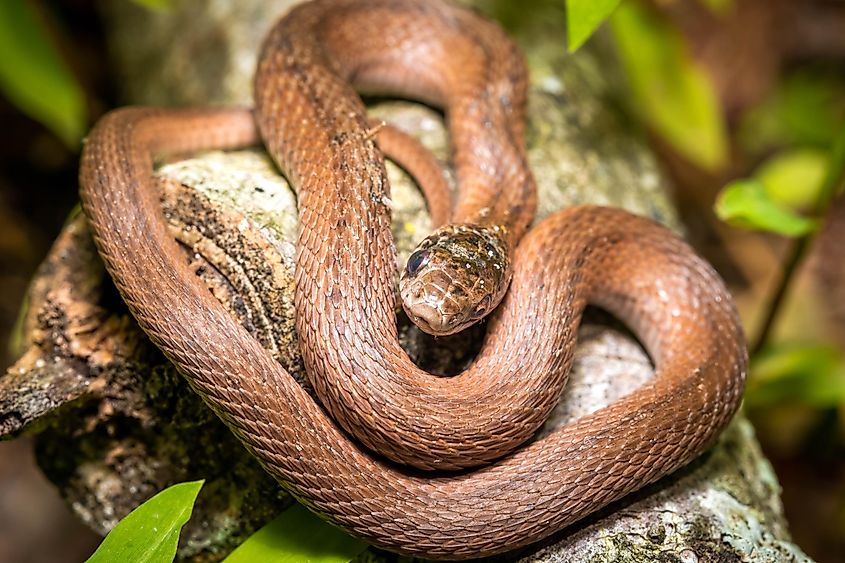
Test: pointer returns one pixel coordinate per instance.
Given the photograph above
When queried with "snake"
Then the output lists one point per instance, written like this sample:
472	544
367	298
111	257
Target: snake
442	468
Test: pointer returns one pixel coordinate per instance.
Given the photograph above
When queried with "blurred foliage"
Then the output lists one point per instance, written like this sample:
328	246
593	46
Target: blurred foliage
671	93
812	374
805	109
34	77
785	184
746	204
834	179
17	338
801	129
583	17
803	178
150	533
516	17
158	5
298	535
801	168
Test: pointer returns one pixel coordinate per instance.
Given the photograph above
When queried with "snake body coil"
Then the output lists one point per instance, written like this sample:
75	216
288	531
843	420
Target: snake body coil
316	128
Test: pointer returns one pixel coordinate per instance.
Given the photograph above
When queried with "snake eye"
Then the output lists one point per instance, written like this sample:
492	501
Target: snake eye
416	261
482	307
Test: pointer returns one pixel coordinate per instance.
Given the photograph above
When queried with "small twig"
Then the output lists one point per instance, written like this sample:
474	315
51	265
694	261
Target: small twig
799	248
374	130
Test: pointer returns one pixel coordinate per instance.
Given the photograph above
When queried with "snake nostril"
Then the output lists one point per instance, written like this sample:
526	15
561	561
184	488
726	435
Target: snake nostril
482	307
416	261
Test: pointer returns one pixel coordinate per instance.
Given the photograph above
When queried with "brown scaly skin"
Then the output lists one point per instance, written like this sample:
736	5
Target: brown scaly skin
317	130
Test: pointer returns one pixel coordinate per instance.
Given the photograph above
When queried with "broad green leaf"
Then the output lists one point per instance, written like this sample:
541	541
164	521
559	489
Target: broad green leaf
297	536
672	93
34	77
794	178
745	204
583	17
150	533
157	5
809	374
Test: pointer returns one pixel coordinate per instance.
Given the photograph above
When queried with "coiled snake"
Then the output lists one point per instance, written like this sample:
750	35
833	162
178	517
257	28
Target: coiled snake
316	128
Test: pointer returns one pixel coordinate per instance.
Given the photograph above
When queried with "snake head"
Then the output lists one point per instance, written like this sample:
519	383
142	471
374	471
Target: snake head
455	277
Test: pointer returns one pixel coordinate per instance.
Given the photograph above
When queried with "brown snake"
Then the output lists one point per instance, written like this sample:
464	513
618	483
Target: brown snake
316	128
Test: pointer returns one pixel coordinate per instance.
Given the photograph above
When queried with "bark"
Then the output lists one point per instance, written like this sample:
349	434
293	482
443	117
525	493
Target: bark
114	421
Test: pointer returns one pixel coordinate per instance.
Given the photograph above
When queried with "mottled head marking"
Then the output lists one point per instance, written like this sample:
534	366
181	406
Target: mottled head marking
455	277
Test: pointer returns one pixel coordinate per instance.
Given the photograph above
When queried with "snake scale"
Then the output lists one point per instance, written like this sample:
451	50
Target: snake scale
373	397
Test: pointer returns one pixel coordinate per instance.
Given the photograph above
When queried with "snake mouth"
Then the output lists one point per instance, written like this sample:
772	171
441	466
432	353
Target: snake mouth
432	320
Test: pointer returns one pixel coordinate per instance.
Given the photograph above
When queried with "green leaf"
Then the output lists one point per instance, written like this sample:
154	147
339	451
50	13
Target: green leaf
34	77
794	178
674	96
745	204
150	533
295	536
809	374
583	17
